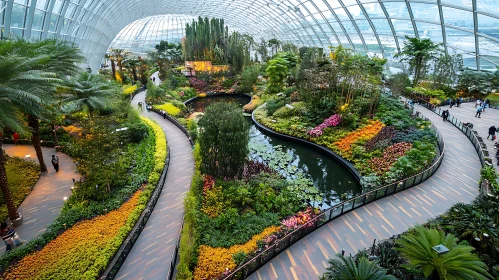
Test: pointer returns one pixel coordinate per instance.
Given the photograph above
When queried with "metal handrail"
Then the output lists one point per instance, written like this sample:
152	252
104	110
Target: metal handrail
281	244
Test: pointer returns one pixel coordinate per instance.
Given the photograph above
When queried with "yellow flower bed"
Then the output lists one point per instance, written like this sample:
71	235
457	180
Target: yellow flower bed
129	90
201	95
160	151
73	254
344	145
213	261
169	108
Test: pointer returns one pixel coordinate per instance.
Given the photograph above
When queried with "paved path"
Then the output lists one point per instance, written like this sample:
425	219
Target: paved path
466	113
43	205
151	255
455	181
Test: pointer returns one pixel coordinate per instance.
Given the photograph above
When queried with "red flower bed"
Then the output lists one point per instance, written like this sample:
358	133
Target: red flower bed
382	164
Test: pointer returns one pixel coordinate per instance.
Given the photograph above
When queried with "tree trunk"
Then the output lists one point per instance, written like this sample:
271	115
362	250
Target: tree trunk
35	139
134	72
54	134
4	186
113	68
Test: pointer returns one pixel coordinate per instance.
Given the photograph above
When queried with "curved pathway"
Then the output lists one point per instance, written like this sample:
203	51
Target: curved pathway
466	113
43	205
151	255
455	181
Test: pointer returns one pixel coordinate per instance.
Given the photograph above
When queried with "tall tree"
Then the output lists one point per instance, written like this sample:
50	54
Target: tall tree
22	91
418	53
458	263
57	58
223	141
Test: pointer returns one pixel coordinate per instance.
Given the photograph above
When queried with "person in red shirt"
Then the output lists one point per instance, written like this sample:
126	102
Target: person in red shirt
16	137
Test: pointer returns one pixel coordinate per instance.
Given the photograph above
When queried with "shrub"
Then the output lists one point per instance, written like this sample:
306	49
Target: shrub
249	77
137	132
412	135
169	108
223	141
128	90
192	128
381	165
273	105
299	108
255	102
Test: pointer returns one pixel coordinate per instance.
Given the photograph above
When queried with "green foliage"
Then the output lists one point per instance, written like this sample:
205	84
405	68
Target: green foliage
239	257
192	128
274	104
223	141
412	135
277	70
299	108
137	132
21	177
249	77
398	83
490	174
350	268
416	159
458	263
419	53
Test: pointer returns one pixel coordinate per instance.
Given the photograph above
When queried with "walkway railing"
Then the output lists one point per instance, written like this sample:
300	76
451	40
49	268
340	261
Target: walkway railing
127	245
262	257
477	141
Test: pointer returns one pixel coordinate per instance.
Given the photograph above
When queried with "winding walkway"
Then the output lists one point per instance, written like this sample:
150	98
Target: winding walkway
43	205
455	181
151	255
466	113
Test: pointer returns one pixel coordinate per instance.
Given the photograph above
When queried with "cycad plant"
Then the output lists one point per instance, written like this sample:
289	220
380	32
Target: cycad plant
458	263
86	92
347	268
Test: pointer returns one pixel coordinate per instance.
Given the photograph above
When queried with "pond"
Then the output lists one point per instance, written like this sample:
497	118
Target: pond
293	159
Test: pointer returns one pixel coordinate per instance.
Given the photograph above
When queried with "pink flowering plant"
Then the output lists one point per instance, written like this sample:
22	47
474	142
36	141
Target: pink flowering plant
333	120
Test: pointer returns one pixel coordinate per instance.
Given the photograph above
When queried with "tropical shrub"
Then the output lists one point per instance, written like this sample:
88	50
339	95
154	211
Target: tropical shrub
351	268
274	104
458	263
277	70
129	89
223	140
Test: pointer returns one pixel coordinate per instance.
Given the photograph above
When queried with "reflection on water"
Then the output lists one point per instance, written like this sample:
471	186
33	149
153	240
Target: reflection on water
292	159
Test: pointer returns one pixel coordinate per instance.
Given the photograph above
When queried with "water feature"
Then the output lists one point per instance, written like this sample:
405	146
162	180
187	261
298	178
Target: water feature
292	159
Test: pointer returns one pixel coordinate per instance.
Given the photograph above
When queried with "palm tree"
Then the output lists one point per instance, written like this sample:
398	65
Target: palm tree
87	92
132	65
113	66
346	268
55	58
22	91
119	55
418	53
458	263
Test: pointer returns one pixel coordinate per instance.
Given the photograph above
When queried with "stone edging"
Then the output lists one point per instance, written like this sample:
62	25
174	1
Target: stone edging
340	159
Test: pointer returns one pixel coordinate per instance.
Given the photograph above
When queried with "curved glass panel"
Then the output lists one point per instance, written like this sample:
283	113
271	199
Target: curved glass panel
373	27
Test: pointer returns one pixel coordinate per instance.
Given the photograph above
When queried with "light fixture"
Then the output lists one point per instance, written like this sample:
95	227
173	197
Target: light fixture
65	198
27	156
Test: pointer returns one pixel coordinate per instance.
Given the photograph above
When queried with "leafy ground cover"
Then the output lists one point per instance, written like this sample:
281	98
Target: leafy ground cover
22	176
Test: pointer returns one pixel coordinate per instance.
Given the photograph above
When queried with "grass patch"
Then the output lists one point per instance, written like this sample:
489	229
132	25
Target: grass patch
22	176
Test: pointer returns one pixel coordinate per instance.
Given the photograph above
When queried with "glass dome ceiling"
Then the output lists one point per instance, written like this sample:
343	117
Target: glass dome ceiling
467	27
143	35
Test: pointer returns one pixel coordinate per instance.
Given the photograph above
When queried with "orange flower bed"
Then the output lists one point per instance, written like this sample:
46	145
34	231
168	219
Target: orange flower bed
213	261
74	253
366	132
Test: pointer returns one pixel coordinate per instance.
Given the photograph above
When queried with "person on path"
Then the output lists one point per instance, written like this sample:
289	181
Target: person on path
487	103
492	132
10	237
55	162
497	156
483	107
154	79
478	111
478	103
140	107
458	102
445	115
451	103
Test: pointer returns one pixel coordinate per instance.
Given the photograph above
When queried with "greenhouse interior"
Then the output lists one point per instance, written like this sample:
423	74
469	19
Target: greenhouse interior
265	139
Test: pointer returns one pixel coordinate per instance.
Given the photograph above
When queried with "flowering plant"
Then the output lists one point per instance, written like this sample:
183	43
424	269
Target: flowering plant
209	183
301	218
333	120
381	165
344	145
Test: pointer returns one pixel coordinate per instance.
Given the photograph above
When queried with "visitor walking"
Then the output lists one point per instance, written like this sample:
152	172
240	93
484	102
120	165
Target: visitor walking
451	103
497	156
140	106
16	137
458	102
492	132
478	102
445	115
55	162
154	79
487	103
483	107
10	237
478	111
